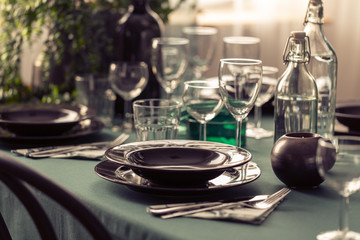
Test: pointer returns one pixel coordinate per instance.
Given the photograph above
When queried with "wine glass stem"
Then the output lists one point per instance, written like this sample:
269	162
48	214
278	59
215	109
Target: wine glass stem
197	73
127	111
202	131
238	133
257	116
344	215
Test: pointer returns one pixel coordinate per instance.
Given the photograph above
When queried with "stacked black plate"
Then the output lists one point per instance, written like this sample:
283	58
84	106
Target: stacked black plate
348	114
46	121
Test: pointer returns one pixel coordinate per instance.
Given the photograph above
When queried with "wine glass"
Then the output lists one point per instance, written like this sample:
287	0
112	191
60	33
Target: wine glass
202	101
169	59
239	84
268	86
128	79
338	162
202	42
241	47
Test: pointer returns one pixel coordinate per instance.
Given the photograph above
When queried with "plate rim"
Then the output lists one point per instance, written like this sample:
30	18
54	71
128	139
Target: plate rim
347	115
79	110
26	128
169	189
86	132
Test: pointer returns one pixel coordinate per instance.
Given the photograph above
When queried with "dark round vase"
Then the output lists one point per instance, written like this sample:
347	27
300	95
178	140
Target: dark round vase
293	159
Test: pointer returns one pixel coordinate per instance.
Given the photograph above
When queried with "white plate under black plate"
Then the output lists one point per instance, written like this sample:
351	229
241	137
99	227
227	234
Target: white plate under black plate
234	177
41	119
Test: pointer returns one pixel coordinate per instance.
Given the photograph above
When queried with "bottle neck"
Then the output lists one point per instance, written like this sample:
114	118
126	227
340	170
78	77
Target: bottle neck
139	6
314	13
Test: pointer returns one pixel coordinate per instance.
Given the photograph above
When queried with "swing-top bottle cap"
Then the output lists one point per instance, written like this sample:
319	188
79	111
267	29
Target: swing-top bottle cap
298	35
297	48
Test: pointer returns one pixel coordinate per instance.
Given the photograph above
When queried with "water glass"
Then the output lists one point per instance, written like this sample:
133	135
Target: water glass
156	119
95	93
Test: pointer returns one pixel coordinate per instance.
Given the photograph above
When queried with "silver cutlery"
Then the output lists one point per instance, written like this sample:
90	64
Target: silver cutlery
270	201
169	208
263	204
57	150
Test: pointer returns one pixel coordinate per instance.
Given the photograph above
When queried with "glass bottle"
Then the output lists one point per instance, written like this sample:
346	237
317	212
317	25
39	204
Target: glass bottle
133	37
323	66
296	95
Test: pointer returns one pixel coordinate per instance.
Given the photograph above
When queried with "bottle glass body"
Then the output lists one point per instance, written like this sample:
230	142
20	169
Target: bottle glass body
323	66
134	34
296	96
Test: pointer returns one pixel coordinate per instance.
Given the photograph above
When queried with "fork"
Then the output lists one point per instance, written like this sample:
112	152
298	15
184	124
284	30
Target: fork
86	146
264	204
270	201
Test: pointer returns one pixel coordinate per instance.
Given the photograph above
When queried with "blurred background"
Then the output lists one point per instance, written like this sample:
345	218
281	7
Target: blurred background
272	21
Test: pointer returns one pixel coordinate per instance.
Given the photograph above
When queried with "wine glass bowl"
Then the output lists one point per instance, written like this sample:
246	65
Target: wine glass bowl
239	84
169	59
267	90
338	162
202	42
241	47
202	101
268	85
128	79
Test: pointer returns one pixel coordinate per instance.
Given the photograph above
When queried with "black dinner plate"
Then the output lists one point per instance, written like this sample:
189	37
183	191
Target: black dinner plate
83	128
41	119
178	165
178	162
232	177
349	115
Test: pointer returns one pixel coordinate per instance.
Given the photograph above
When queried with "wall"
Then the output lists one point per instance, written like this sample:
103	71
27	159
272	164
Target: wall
273	20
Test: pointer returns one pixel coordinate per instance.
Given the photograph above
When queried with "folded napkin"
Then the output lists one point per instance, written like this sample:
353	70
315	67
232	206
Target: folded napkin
94	150
95	154
237	214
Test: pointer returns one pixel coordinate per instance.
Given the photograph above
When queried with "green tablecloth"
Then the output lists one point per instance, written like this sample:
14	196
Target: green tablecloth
302	215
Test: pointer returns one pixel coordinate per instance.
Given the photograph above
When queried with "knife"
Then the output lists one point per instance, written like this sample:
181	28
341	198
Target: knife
279	197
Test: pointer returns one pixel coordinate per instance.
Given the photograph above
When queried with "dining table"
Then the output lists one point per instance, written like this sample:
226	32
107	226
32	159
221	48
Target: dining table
301	215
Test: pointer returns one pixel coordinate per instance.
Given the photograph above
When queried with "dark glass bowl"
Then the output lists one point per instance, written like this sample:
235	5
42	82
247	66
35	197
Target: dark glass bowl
293	160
